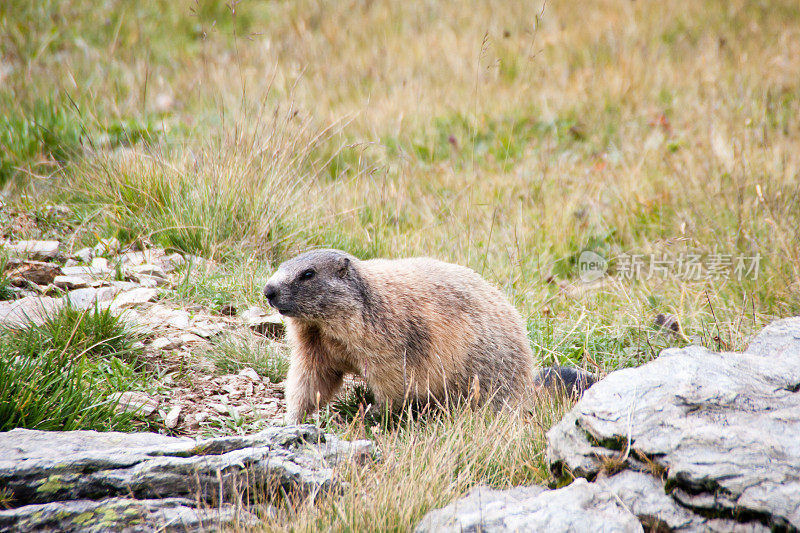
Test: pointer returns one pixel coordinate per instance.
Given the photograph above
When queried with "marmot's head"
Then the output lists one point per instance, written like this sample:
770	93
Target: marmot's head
317	285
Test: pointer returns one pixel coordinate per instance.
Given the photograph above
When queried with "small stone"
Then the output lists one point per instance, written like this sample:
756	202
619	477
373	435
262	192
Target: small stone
89	297
84	255
179	320
106	247
250	374
173	417
252	313
150	281
164	343
149	269
70	282
35	271
228	310
134	297
34	249
221	408
207	329
135	402
100	263
84	271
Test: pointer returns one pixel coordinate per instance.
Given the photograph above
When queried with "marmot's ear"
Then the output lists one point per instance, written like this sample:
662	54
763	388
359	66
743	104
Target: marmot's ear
344	266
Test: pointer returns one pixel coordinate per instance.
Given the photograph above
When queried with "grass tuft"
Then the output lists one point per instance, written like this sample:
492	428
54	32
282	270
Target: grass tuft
59	375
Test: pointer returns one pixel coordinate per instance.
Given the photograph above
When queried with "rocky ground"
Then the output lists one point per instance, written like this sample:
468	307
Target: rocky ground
193	395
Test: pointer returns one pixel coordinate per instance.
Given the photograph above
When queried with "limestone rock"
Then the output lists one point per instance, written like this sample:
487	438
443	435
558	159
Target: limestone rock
93	481
124	514
172	418
70	282
134	297
580	506
724	427
135	402
27	310
90	297
34	249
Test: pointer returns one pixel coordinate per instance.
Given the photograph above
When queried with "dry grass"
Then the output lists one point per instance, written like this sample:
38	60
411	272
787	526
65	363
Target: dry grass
426	463
507	136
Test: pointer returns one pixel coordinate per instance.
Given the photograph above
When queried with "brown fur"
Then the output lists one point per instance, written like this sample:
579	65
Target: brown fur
415	329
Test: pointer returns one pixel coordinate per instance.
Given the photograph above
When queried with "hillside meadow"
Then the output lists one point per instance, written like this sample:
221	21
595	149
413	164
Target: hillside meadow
512	137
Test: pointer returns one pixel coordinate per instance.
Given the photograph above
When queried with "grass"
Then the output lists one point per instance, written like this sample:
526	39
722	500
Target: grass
232	353
507	137
426	463
59	375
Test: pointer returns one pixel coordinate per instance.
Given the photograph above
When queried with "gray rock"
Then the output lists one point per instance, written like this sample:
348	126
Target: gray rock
165	343
643	494
70	282
148	269
724	427
85	271
34	249
53	474
27	310
85	255
89	297
781	338
173	417
580	506
125	514
138	296
100	264
135	402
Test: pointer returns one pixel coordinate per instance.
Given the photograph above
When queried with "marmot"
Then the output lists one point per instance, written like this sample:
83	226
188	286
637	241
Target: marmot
415	329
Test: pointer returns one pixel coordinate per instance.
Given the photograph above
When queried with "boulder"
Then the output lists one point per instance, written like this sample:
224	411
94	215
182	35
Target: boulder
724	428
691	441
93	481
580	506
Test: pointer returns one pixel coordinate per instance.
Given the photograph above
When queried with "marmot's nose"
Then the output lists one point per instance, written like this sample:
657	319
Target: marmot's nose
270	292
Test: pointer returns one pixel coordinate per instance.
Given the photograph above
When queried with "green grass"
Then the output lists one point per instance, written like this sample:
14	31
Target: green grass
231	353
59	375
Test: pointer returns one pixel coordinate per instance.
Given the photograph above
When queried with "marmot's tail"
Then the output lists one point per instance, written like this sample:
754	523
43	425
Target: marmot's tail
573	381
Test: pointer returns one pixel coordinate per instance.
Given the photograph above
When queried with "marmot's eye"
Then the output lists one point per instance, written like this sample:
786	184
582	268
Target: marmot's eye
308	274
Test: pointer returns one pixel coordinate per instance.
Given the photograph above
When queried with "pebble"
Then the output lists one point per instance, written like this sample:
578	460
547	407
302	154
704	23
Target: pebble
173	417
135	402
